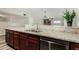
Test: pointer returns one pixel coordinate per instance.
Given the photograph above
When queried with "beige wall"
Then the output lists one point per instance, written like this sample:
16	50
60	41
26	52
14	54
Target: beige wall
57	13
35	16
12	21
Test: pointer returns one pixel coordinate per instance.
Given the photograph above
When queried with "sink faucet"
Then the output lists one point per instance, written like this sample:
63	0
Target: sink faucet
37	27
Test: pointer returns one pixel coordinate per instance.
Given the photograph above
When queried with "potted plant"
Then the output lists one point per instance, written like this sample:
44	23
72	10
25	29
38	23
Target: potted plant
69	16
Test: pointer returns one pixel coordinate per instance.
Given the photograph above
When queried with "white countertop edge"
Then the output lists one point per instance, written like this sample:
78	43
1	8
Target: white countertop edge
70	39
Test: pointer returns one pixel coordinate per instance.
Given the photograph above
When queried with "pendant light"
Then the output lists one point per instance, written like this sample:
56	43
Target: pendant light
45	15
24	13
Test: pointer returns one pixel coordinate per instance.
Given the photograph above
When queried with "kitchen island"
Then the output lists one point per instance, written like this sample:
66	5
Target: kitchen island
21	39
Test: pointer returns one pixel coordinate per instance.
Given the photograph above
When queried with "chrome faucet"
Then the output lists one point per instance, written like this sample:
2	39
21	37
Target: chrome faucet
37	27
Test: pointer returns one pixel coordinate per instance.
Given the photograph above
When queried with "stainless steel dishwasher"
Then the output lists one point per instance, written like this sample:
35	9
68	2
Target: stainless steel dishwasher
53	44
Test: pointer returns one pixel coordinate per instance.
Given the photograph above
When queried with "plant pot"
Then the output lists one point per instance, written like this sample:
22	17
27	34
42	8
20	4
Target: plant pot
69	23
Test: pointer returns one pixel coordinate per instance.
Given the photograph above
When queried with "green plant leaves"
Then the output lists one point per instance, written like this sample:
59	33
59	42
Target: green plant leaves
69	16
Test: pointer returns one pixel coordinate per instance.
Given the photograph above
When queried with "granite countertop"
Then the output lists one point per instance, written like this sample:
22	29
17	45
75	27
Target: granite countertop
72	37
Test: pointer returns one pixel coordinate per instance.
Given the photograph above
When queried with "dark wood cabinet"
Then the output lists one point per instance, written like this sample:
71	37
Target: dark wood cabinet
9	37
27	41
74	46
22	41
34	42
16	40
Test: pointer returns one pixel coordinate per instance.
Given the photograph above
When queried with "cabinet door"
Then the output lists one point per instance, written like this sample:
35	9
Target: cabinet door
74	46
23	41
16	40
33	43
9	37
